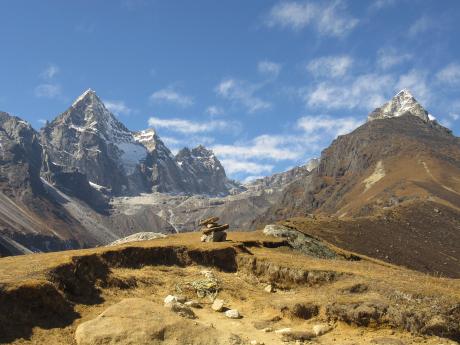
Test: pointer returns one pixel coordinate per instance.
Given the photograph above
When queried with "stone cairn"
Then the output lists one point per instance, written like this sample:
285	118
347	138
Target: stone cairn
213	231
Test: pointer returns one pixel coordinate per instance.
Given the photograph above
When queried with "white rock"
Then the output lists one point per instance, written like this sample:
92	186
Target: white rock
232	314
268	330
321	329
269	288
218	305
255	342
170	299
283	330
193	304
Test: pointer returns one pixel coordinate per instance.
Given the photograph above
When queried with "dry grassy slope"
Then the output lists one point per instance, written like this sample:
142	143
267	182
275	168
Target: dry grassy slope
400	166
49	295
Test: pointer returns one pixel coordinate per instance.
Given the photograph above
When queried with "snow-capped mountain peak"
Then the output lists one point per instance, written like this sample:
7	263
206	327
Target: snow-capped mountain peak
402	103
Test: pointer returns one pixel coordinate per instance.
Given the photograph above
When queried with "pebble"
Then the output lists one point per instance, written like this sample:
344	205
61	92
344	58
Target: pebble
255	342
283	330
218	305
193	304
268	330
321	329
232	314
269	288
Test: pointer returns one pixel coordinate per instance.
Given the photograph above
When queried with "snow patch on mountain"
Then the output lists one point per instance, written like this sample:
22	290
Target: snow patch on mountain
402	103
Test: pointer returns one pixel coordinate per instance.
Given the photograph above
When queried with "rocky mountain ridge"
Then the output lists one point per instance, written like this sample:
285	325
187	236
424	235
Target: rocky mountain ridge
89	138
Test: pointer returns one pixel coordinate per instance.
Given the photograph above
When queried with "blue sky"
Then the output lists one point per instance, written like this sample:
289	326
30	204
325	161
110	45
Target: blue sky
265	84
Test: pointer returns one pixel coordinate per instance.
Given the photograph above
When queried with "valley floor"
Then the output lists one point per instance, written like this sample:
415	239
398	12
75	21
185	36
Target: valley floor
365	301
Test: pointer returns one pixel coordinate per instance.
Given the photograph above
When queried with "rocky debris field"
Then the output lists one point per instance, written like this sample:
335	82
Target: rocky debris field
252	289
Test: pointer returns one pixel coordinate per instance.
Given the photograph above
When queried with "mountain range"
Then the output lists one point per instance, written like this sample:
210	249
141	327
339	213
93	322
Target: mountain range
86	180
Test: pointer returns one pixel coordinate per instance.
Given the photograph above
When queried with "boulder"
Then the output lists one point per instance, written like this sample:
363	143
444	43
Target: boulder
142	322
220	236
301	242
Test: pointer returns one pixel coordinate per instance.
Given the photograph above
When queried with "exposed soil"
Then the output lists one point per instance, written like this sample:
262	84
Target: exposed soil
49	295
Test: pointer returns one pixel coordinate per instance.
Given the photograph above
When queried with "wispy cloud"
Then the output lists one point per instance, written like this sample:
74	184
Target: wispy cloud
365	91
233	166
49	88
169	95
330	66
389	57
269	68
449	74
380	4
214	110
328	18
118	107
416	81
48	91
272	147
327	124
420	26
188	127
243	93
50	72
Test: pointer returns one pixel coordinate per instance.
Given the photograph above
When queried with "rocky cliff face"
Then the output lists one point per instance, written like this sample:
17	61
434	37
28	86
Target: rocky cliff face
89	138
202	172
21	156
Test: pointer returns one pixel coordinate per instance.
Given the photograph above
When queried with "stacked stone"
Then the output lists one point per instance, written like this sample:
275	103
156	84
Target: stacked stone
213	231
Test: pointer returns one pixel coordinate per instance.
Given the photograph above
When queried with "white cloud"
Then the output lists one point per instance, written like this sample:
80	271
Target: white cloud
366	91
118	107
42	121
233	166
389	57
328	19
269	68
187	126
50	72
251	178
273	147
169	95
243	93
416	81
214	110
330	66
48	90
327	124
454	116
449	74
420	26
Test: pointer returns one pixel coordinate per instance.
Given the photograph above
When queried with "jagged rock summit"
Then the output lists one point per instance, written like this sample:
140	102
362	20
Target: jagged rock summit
402	103
87	137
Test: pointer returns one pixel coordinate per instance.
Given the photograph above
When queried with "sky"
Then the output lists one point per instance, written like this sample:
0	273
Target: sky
267	85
